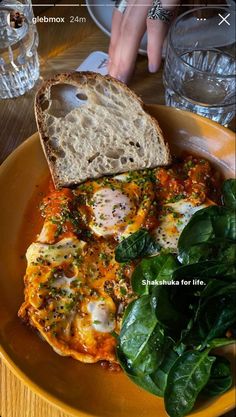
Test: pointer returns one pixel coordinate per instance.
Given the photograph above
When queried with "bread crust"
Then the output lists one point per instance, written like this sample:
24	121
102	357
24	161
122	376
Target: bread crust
77	79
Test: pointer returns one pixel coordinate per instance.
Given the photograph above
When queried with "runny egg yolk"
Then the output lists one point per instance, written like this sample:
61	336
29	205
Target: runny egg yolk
112	209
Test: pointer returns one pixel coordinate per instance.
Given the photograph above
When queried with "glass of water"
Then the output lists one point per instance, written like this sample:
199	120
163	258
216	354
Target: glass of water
19	64
199	73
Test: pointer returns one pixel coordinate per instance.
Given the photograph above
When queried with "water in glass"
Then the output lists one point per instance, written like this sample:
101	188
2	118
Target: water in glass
200	88
19	64
199	73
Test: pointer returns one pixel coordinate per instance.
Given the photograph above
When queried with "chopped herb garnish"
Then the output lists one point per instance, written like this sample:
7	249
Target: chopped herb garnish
96	322
123	291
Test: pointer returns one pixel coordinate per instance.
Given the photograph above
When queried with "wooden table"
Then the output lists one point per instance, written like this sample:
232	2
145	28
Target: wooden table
62	48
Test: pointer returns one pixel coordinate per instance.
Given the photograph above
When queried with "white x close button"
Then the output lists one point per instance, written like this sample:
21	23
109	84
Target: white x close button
224	19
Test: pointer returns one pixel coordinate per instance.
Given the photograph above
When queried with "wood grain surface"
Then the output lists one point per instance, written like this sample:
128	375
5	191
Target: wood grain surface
62	48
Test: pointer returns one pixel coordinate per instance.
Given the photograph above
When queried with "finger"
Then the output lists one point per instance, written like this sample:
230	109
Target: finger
117	17
156	33
132	29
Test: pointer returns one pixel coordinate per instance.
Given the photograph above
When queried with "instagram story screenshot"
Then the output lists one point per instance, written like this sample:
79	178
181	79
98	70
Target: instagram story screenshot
117	208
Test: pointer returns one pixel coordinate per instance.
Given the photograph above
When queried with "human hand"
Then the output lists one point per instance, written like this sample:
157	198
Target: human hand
128	29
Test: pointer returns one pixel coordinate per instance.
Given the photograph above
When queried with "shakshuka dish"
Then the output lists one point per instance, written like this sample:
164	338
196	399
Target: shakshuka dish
76	292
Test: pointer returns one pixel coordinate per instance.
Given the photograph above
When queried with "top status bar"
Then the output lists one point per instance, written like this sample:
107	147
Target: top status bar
112	5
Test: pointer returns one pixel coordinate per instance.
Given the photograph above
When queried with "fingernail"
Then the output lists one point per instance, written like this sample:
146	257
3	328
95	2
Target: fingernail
112	72
121	78
152	68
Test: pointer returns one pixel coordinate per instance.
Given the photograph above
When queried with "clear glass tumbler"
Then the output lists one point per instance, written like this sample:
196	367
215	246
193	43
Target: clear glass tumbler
19	64
199	73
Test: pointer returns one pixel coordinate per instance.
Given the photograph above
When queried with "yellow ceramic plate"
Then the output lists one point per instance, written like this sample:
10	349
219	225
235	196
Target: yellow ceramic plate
84	390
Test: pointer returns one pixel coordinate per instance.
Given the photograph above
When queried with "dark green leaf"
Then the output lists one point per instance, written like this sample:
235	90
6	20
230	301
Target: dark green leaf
220	379
205	270
185	298
159	268
147	382
228	254
223	250
229	193
166	313
154	383
141	338
213	318
161	374
127	310
144	381
206	227
198	230
216	288
189	374
138	244
224	341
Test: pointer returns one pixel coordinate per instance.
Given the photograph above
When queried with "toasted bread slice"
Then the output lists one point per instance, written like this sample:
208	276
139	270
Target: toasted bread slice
91	126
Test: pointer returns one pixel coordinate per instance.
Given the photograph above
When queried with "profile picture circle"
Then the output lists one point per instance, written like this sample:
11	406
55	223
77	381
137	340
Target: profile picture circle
16	19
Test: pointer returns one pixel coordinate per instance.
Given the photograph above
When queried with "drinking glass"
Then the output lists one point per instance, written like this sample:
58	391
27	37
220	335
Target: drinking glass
19	64
199	72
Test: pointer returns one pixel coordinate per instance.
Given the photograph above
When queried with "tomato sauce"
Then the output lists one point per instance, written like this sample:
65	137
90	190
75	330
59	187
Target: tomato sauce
32	220
192	178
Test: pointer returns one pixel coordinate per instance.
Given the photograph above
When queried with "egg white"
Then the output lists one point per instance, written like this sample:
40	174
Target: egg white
120	208
111	209
56	253
102	315
172	223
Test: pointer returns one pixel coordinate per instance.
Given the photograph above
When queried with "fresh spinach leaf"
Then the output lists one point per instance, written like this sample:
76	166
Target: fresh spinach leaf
142	338
224	341
228	253
197	253
148	383
205	229
140	243
166	312
206	270
161	374
198	230
159	268
154	383
213	318
187	377
144	381
218	248
217	287
229	193
220	379
185	298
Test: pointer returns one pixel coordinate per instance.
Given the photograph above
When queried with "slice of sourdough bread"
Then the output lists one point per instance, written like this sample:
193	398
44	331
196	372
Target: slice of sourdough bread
91	126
